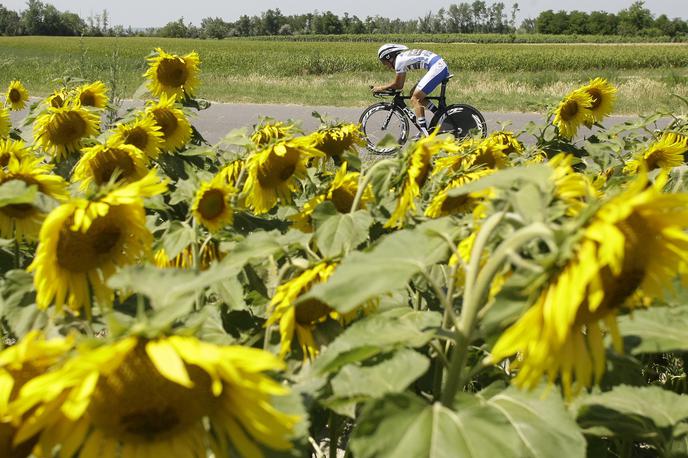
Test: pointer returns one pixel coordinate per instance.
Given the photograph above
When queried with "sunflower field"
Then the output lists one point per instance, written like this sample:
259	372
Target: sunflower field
273	295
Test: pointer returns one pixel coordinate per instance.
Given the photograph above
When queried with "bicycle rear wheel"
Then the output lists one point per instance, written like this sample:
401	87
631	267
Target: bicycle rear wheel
383	120
460	120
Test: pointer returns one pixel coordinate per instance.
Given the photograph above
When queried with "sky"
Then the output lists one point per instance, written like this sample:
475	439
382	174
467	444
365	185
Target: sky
155	13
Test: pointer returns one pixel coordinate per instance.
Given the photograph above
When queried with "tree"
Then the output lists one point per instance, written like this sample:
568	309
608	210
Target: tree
9	22
578	23
634	19
214	28
602	23
327	24
174	29
272	21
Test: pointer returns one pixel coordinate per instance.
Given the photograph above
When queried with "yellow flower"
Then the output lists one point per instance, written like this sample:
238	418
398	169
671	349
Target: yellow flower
23	221
572	111
573	188
634	243
443	205
111	162
419	165
301	317
30	357
17	96
16	149
507	139
231	172
208	253
83	242
603	97
57	99
334	141
175	128
269	130
490	153
341	192
169	396
172	75
212	204
92	95
60	131
666	153
5	123
142	133
273	172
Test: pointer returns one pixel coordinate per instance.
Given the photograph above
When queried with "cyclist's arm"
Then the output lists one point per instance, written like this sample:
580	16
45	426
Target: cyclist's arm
397	84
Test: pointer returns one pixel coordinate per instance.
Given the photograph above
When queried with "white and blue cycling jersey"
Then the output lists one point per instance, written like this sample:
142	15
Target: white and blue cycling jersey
416	59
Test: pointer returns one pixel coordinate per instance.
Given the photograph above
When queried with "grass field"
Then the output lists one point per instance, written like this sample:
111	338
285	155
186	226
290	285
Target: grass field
499	77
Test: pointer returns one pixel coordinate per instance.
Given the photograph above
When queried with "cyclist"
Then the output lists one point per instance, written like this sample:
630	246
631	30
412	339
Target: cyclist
401	59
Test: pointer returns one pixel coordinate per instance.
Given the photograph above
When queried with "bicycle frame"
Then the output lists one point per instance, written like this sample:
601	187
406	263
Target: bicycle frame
399	102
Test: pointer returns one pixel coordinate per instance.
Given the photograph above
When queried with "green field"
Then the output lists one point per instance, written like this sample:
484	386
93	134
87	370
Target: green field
506	77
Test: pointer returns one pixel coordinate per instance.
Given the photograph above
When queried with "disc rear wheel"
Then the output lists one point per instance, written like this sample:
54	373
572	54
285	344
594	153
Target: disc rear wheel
460	121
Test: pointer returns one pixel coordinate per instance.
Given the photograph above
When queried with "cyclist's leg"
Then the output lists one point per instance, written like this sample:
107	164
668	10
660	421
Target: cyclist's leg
435	75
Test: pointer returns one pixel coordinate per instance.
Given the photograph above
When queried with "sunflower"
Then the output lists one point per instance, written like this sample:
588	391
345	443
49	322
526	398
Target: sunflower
13	149
419	165
92	95
5	123
573	111
666	153
172	75
634	244
23	221
341	192
442	204
17	96
57	99
110	162
60	131
208	253
231	172
82	243
603	97
270	130
30	357
175	128
142	133
507	139
334	141
167	396
212	204
273	172
301	317
571	187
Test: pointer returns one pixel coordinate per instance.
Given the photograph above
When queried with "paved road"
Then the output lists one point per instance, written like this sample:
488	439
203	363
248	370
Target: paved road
221	118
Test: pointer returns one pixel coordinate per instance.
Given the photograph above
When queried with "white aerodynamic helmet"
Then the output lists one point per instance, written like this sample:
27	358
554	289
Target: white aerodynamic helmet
387	51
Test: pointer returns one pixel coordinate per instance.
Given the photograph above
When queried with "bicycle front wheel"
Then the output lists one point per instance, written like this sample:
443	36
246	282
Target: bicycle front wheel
384	120
460	120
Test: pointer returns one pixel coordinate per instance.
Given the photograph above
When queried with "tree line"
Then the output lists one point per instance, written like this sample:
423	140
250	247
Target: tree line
41	18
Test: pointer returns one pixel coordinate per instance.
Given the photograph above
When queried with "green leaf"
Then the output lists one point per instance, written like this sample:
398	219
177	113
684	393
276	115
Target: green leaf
509	424
649	413
655	330
17	192
387	267
390	376
375	334
341	233
178	236
538	175
529	202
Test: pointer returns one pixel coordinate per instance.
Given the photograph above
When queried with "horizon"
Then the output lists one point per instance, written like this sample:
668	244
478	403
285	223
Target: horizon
120	13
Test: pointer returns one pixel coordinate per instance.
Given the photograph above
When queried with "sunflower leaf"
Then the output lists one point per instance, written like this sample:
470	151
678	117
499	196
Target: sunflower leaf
655	330
509	424
647	413
17	192
340	233
387	267
375	334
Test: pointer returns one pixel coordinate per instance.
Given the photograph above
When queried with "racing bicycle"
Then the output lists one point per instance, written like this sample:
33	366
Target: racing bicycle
384	119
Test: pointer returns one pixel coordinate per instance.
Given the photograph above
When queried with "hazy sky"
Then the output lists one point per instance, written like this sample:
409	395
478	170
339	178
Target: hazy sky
153	13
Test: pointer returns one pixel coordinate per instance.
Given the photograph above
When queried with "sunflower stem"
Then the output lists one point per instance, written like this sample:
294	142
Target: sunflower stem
334	434
17	254
474	298
364	181
198	303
